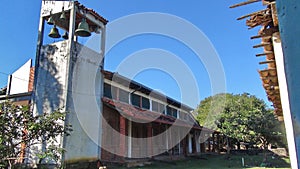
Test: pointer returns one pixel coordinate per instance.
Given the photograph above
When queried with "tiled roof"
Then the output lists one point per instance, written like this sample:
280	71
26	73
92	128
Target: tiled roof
64	24
92	12
132	112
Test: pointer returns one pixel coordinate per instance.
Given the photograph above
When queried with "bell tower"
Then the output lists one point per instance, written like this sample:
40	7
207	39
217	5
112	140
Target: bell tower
68	74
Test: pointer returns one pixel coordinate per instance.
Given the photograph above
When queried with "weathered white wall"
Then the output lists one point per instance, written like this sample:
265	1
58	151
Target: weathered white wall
289	15
19	81
68	77
75	88
284	95
50	87
54	7
84	103
51	78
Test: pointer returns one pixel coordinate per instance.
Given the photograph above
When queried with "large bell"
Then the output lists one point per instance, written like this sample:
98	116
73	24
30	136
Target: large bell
83	29
54	32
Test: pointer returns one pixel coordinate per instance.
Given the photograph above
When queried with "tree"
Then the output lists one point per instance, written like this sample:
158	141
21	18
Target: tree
243	117
20	129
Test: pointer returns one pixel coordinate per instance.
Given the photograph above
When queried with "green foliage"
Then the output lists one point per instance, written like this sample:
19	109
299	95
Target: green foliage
19	126
243	117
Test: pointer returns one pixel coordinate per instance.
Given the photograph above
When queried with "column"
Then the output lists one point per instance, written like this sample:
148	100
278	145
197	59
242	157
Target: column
129	139
167	138
198	148
122	137
213	142
209	148
184	146
202	147
190	144
218	142
149	139
194	141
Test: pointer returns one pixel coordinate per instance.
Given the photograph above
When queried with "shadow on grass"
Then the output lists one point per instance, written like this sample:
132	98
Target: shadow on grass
221	162
253	161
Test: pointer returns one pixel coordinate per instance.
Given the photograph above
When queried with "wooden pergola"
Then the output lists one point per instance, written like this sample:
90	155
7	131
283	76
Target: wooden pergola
268	21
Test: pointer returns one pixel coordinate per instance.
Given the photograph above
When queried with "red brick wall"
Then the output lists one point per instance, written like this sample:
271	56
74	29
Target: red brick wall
109	140
31	79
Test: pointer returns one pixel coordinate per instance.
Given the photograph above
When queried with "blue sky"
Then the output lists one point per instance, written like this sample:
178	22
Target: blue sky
231	39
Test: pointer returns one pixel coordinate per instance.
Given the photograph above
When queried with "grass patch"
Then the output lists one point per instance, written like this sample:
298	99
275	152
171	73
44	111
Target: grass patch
220	162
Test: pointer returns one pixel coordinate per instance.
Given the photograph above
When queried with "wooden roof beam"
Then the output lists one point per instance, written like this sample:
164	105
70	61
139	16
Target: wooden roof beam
261	36
267	62
244	3
262	45
251	14
264	54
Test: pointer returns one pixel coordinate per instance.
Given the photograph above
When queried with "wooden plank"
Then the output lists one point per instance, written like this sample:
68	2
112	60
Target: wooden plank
256	36
251	14
261	45
274	14
267	2
267	62
244	3
261	36
264	54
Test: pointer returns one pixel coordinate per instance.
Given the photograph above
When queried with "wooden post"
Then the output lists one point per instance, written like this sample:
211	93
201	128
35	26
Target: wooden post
209	148
218	142
202	147
194	142
184	146
213	142
149	138
122	137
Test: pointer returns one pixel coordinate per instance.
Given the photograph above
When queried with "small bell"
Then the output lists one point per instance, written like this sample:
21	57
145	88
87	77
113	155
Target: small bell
63	15
54	32
83	29
50	21
65	35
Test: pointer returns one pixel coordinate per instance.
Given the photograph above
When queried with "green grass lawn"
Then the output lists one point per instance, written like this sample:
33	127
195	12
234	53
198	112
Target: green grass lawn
219	162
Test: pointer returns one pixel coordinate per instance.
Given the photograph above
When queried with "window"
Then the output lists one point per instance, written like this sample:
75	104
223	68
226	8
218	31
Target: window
123	96
171	111
158	107
174	114
140	101
182	115
155	106
145	103
185	117
107	90
135	100
114	92
110	91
